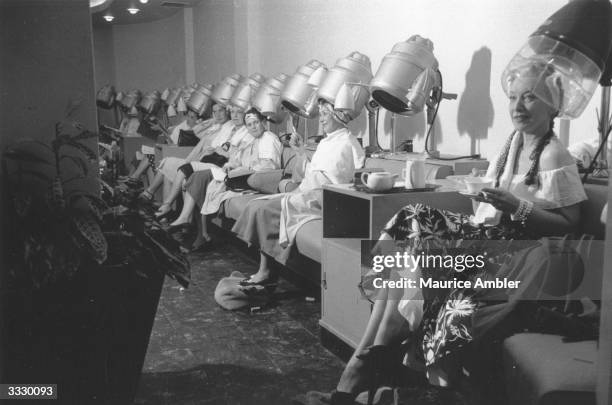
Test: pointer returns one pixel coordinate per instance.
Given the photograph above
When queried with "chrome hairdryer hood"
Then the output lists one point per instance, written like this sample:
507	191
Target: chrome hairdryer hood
105	98
398	72
355	68
243	95
150	103
223	91
200	100
298	96
267	100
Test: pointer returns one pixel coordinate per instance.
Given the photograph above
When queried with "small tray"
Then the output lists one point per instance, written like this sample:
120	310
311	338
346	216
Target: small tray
395	190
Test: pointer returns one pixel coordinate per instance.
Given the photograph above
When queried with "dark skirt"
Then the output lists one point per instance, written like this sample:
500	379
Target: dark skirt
197	184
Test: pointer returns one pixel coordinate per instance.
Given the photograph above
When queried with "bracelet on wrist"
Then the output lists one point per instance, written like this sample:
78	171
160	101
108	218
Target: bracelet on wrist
523	211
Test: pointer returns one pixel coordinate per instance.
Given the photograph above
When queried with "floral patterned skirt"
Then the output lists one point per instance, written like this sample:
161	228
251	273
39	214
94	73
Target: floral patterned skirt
446	324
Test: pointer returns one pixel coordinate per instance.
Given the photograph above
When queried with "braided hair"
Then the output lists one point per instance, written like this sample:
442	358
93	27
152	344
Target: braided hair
531	177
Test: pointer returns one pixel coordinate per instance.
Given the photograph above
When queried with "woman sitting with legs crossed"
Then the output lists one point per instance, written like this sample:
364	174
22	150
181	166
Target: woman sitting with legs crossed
211	141
272	223
537	193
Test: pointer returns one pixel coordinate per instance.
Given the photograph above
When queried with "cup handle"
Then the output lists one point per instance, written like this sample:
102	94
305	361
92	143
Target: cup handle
364	178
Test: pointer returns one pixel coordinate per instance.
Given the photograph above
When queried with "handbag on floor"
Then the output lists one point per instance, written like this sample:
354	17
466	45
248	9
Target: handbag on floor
230	295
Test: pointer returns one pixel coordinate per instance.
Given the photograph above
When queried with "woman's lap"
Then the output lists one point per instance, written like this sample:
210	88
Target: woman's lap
446	325
197	184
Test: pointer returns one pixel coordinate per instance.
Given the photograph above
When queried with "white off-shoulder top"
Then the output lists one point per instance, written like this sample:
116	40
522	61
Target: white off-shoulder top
556	188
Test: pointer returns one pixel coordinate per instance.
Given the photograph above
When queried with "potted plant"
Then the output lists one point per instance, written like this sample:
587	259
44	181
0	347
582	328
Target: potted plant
81	278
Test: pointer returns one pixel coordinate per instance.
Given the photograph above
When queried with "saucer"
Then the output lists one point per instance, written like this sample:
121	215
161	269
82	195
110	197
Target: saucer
469	194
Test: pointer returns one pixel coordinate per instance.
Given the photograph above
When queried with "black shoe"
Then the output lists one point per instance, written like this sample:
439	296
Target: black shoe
384	365
205	246
434	395
184	227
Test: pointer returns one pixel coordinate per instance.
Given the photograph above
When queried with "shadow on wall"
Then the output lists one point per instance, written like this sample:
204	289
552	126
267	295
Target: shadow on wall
475	113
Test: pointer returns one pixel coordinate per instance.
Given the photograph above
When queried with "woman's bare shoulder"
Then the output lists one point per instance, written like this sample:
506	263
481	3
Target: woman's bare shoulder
555	156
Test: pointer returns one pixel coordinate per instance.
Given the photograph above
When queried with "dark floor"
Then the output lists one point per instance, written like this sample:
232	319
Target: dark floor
202	354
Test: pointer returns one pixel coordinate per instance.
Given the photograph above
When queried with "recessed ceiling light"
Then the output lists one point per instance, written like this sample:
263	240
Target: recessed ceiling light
144	1
133	10
109	18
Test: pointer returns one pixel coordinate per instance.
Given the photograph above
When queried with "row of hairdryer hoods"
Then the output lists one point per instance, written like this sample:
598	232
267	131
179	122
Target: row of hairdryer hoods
407	79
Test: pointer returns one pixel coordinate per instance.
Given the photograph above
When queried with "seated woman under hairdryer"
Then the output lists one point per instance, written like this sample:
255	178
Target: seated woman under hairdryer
260	151
214	135
537	193
235	140
191	123
273	223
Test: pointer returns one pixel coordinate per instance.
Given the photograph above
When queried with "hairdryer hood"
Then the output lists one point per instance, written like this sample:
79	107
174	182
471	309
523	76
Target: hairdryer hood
245	91
398	71
355	68
186	93
105	98
172	98
297	95
267	98
571	48
150	103
131	99
224	90
200	100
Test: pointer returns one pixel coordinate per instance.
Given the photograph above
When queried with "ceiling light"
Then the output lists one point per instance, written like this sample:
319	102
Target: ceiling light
133	10
109	17
144	1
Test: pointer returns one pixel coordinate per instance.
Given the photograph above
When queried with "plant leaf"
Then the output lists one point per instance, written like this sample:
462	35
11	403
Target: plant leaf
78	162
85	135
40	175
87	151
72	106
25	156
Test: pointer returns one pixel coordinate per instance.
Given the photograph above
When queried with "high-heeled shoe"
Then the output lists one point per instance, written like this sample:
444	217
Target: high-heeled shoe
384	364
204	246
163	211
183	227
146	196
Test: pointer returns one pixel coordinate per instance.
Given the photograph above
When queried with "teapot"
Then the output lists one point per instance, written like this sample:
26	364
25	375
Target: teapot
378	181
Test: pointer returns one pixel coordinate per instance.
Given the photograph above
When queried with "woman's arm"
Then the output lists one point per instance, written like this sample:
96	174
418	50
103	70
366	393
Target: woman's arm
554	222
557	221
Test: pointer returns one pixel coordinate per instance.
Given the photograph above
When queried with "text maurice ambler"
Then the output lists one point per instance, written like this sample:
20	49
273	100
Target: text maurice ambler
458	263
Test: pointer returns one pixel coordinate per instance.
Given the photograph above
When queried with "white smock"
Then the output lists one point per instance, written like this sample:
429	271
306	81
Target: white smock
256	154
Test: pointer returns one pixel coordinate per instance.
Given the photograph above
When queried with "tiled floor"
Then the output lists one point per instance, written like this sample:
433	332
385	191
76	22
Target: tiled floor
202	354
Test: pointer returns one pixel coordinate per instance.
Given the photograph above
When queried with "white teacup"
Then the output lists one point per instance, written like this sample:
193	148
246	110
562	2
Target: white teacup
378	181
475	184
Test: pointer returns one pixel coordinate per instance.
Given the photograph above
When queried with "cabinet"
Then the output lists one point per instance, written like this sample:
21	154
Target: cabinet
344	312
350	216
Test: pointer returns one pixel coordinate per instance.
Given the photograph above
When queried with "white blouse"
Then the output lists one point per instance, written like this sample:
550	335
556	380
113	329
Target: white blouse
556	188
223	135
261	153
